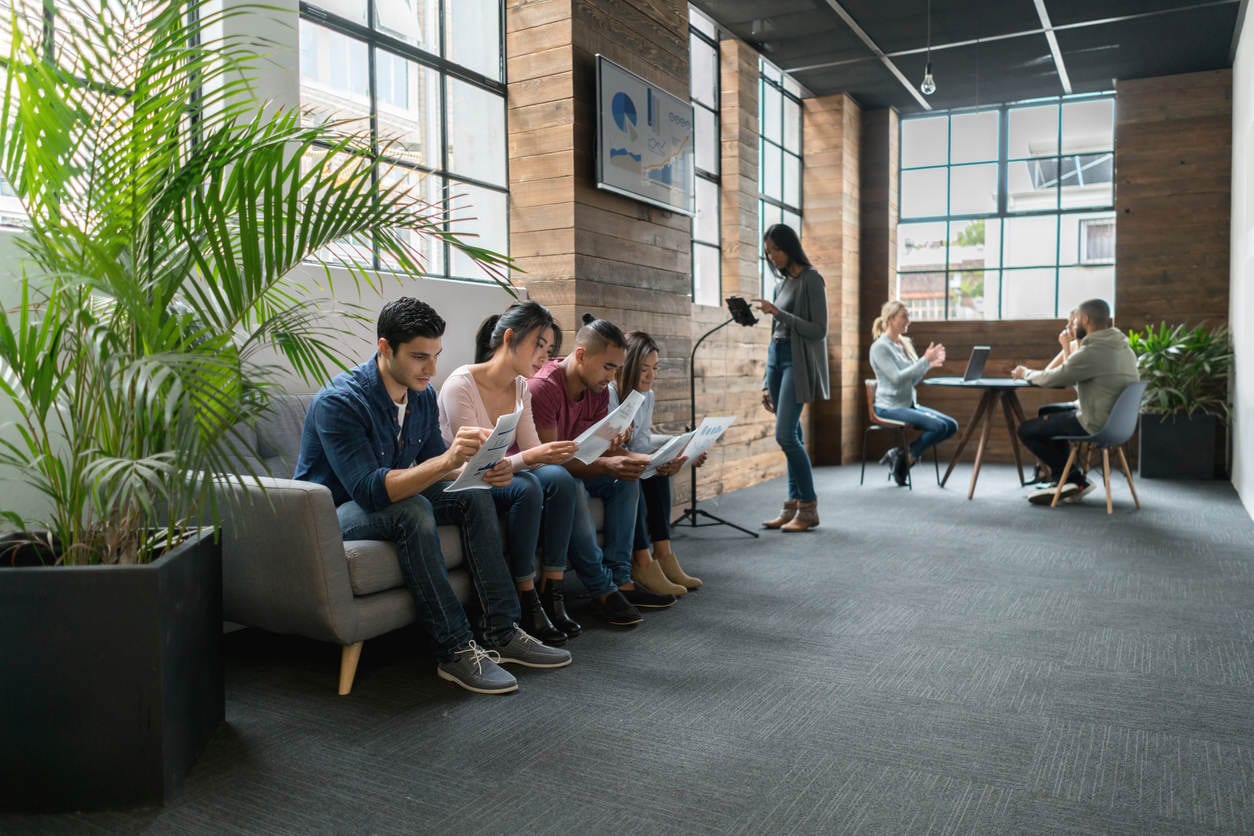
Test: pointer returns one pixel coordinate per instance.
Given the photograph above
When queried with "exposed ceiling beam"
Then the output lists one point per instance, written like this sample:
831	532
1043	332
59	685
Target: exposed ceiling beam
1043	14
879	53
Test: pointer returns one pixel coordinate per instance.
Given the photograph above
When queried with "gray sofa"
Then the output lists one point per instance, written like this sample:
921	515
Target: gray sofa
285	566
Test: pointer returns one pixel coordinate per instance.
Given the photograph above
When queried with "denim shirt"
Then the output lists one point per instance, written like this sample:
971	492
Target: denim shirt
349	440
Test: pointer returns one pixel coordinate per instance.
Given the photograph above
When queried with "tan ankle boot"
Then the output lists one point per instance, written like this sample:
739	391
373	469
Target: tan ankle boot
785	516
655	580
675	573
807	517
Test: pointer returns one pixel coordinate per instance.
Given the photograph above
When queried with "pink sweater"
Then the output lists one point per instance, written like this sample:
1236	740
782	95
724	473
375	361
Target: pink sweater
461	405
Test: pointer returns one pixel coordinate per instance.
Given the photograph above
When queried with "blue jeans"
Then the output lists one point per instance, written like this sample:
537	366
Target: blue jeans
779	383
936	426
621	498
653	514
539	507
411	525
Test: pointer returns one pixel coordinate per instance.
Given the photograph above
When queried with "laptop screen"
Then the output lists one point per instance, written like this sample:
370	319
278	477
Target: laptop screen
975	366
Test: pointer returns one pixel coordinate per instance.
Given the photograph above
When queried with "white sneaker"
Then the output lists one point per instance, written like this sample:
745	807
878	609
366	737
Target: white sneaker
1074	496
1043	496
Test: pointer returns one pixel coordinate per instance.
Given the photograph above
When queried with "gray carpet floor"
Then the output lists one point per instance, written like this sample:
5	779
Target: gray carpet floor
919	663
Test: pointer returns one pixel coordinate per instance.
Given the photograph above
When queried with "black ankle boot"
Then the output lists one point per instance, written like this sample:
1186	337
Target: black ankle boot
553	599
538	624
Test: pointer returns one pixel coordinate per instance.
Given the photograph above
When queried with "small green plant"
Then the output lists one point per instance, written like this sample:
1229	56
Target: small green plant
1187	369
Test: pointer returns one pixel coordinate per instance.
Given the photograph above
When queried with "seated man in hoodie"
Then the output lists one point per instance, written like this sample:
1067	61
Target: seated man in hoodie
1100	369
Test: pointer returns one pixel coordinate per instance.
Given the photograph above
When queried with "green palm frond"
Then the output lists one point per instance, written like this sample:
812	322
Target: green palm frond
170	215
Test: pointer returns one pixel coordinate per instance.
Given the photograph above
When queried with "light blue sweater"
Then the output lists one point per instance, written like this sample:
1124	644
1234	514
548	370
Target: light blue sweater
896	374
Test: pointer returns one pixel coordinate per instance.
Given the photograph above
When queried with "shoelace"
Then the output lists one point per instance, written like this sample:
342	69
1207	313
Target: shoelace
479	654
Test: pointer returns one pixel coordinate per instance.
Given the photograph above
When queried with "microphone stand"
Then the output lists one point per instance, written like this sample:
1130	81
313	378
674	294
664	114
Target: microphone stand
692	512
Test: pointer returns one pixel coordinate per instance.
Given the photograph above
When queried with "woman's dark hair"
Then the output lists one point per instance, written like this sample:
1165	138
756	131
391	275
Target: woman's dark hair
627	378
403	319
522	318
555	347
596	334
785	239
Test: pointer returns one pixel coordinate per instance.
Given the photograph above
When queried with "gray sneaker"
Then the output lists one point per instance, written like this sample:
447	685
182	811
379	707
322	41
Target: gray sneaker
476	669
522	649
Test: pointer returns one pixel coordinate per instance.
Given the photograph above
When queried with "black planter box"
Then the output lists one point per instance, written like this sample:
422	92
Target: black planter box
1179	447
111	678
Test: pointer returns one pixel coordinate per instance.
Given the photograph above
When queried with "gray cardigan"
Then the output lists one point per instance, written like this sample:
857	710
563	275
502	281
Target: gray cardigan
807	326
896	375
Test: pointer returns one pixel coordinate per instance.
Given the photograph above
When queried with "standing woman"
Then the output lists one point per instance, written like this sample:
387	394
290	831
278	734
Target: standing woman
509	349
898	369
796	366
659	572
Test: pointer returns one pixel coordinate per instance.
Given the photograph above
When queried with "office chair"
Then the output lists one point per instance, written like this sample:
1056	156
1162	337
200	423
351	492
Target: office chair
875	422
1114	434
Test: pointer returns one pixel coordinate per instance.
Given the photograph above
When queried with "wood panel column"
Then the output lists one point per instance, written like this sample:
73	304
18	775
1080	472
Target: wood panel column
877	257
830	235
1173	193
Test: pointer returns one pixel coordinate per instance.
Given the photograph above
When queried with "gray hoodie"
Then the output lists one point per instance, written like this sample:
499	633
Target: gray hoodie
1101	368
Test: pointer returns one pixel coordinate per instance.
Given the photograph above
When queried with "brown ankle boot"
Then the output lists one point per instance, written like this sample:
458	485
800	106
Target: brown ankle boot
807	517
785	516
675	573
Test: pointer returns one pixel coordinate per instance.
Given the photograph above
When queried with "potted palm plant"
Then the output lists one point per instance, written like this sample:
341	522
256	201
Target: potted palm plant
1186	408
158	295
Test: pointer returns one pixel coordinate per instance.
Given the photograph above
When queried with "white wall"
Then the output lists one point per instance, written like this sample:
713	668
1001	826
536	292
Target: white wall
1241	302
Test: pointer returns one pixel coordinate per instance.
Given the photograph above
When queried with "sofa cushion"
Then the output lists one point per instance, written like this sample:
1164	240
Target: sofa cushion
373	567
278	435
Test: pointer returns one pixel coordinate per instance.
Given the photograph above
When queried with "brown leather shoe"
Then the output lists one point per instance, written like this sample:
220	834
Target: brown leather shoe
807	517
785	516
653	577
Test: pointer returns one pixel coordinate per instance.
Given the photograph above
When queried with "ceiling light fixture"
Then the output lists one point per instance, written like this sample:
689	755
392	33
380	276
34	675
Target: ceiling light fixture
928	87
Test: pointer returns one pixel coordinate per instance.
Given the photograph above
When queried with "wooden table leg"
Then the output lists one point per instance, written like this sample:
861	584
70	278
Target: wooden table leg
1006	397
979	451
966	434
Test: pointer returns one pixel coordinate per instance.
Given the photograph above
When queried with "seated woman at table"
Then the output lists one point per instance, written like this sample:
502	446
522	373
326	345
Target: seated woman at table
898	369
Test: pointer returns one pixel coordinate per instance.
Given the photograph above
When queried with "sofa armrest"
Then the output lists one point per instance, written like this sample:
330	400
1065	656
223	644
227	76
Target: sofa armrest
283	563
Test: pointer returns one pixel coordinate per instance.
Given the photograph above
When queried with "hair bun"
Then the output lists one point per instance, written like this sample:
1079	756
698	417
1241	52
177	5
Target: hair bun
588	319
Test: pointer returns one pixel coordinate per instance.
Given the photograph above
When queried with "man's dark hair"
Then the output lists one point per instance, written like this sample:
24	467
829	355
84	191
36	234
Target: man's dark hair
403	319
596	334
1097	311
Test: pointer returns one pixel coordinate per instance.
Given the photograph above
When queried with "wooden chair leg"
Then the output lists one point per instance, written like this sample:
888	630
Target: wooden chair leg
1127	474
1110	507
1062	480
350	655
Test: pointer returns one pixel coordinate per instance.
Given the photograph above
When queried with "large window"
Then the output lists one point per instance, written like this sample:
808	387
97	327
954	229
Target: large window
779	157
425	78
706	226
1008	212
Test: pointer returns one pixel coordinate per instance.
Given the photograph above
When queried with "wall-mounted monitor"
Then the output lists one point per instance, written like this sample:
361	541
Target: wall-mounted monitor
644	140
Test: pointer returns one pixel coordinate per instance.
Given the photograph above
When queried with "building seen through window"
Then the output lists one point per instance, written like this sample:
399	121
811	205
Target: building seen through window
1007	212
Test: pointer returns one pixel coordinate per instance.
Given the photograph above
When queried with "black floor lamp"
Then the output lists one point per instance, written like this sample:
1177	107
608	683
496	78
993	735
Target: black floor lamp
741	314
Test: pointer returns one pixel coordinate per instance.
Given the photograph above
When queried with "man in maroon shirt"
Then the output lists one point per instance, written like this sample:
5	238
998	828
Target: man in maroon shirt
568	396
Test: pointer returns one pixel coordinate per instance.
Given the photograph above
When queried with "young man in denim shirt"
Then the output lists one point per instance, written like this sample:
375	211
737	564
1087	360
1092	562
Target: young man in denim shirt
373	438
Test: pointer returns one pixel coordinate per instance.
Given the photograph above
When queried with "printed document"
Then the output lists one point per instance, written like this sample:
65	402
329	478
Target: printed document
596	439
706	434
667	452
492	451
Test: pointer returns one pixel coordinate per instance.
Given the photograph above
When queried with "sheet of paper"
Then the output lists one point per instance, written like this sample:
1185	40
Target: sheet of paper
492	451
596	439
667	452
706	434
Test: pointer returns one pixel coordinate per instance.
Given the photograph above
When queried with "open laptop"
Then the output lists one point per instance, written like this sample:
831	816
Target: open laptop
975	366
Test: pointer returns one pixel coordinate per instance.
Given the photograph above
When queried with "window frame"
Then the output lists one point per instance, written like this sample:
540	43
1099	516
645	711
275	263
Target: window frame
374	40
789	91
1003	214
712	177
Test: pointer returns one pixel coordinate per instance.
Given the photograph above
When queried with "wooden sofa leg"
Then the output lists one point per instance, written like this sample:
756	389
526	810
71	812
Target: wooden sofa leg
350	654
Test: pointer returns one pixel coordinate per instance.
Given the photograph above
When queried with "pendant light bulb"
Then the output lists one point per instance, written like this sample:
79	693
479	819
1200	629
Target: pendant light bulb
928	87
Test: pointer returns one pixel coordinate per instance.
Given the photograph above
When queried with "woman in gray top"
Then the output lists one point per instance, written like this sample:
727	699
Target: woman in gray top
796	366
898	368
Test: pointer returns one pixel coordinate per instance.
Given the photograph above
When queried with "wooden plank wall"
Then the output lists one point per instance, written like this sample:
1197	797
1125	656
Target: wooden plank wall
1173	171
830	227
